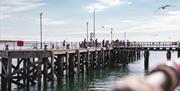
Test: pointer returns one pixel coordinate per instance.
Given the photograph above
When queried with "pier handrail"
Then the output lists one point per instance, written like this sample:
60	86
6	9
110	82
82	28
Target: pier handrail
146	44
165	77
34	45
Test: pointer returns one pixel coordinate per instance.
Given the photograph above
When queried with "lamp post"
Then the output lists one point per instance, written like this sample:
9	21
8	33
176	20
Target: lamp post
41	30
111	34
124	36
94	20
87	24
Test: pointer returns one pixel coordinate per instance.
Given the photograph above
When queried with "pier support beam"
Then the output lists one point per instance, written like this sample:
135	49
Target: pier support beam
4	72
52	69
39	72
82	59
99	60
168	55
123	58
92	60
146	59
108	58
103	63
59	67
178	53
138	55
87	63
96	59
71	64
78	61
9	70
67	64
45	69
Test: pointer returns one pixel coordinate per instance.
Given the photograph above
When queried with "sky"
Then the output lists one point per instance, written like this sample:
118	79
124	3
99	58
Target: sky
66	19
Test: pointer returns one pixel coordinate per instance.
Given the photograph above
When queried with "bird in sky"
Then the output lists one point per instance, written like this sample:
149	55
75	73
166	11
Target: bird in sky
163	7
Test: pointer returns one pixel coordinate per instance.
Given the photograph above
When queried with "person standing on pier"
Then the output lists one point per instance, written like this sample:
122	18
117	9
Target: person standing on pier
103	43
84	43
96	43
64	43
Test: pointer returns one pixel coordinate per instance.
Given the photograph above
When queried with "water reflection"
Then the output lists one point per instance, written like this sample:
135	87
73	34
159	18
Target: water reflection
96	80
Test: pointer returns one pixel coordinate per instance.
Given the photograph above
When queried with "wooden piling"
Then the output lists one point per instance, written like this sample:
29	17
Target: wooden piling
178	53
138	55
60	67
87	62
67	64
18	66
99	60
39	72
118	56
45	69
9	70
127	57
24	71
95	59
52	69
109	57
28	73
71	64
168	55
83	55
92	60
146	59
103	63
78	61
4	80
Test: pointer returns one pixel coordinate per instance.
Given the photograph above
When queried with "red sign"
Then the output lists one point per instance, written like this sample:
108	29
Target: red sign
20	43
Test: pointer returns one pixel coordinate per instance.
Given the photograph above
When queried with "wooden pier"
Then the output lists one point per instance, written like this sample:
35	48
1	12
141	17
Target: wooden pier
27	67
24	68
146	47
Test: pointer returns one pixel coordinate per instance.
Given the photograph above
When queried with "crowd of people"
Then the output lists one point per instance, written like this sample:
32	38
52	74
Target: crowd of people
96	43
104	43
92	43
121	43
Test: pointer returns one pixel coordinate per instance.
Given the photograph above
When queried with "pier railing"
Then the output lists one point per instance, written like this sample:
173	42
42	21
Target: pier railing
34	45
147	44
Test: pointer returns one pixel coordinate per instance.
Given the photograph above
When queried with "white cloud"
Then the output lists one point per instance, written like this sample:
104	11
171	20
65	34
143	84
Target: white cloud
8	7
174	12
128	21
129	3
50	22
111	2
147	28
4	16
169	22
97	7
101	5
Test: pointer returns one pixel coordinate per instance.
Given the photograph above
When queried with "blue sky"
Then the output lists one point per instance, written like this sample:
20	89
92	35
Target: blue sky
66	19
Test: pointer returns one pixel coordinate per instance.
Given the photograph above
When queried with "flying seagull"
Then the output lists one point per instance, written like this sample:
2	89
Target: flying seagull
163	7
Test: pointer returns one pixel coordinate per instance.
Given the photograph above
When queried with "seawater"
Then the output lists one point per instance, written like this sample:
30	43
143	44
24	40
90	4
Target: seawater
103	80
